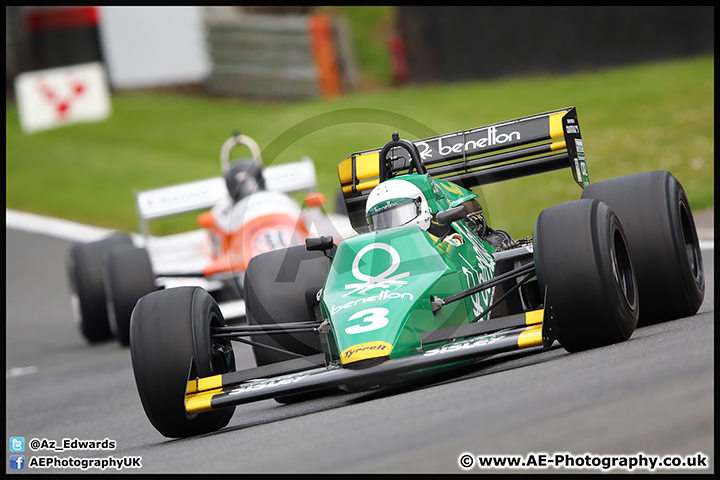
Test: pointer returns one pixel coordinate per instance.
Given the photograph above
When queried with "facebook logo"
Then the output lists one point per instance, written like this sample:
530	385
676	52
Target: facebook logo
17	444
17	462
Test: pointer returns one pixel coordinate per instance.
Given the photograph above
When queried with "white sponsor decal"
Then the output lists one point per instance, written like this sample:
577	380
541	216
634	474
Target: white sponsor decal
384	280
493	138
462	345
472	278
384	295
479	272
268	383
370	319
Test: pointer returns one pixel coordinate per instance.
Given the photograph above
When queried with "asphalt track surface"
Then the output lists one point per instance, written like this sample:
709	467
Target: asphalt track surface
652	396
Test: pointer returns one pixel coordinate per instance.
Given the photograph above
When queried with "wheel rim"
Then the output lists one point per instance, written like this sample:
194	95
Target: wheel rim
75	307
622	269
74	296
111	315
691	243
222	356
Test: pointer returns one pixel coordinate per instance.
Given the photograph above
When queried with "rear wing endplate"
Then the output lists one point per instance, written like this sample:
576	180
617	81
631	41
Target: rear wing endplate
203	194
479	156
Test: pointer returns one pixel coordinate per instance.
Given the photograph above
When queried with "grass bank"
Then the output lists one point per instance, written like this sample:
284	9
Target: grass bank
644	117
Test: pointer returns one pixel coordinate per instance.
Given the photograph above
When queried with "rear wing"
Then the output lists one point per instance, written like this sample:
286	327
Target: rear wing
203	194
471	158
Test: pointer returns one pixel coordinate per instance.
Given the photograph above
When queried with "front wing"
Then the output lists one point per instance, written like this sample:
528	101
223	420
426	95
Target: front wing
306	375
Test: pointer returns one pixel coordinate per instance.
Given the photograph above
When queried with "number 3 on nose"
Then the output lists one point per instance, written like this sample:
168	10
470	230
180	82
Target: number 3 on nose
372	319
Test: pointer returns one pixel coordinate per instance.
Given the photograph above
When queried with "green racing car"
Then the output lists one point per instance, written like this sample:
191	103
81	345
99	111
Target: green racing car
427	285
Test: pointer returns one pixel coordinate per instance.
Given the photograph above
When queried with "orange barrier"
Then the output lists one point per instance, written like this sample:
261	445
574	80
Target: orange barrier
323	50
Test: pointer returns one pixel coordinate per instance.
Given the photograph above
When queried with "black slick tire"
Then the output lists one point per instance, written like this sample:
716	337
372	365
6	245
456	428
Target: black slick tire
280	286
581	257
660	229
277	284
170	343
128	277
84	267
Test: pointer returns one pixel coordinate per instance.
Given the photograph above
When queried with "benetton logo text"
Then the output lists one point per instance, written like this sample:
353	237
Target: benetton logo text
492	138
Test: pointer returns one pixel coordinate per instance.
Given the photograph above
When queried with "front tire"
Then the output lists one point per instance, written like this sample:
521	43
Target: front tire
169	331
664	246
581	257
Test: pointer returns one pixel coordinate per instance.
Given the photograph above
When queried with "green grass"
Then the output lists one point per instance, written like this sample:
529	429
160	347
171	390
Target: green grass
645	117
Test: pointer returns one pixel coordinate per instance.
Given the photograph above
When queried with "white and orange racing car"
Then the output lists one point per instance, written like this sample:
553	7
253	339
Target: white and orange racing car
250	209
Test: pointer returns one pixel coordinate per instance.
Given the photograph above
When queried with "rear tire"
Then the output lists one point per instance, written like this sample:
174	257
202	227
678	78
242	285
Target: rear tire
168	329
581	256
278	285
84	266
128	277
664	246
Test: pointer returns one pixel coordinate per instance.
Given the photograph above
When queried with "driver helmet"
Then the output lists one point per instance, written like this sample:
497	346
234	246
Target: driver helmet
242	178
397	202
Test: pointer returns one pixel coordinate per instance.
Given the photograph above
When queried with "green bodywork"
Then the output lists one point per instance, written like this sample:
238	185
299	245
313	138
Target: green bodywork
440	194
381	283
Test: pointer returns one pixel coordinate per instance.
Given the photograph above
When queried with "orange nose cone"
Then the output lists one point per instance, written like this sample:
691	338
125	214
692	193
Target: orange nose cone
315	199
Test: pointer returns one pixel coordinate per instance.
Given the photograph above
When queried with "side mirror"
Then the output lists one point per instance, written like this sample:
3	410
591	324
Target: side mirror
450	215
322	244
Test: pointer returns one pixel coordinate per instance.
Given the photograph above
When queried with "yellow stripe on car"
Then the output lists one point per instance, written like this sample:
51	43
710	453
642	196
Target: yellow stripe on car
200	402
531	337
556	126
362	186
560	145
534	317
202	384
359	171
